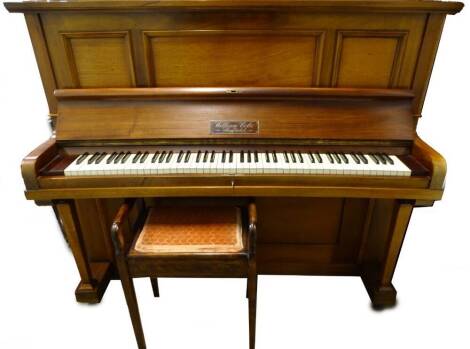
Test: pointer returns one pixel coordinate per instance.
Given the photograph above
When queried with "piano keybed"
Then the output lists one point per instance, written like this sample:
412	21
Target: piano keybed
235	162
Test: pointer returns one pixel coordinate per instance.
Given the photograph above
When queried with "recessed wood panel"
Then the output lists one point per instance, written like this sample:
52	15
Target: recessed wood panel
299	220
233	58
368	59
100	59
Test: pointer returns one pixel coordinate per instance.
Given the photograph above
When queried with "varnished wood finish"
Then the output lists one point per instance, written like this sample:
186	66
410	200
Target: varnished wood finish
34	161
198	43
357	6
340	75
386	234
432	160
94	276
42	57
71	226
281	113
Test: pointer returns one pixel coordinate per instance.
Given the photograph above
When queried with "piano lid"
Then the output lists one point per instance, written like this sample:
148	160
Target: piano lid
234	113
335	5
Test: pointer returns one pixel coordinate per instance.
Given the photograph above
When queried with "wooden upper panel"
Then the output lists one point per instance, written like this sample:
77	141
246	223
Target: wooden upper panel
99	59
222	57
217	50
219	43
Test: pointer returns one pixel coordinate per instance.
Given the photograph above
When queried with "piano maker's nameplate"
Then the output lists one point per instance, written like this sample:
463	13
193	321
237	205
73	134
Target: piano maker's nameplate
224	127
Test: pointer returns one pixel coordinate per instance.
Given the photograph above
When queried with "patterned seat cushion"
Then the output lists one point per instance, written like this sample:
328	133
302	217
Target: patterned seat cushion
191	230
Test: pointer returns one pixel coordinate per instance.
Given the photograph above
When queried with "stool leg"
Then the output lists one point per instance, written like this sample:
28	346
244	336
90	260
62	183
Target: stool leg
154	282
252	294
131	299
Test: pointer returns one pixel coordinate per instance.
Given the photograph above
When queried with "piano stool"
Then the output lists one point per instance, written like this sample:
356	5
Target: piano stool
188	241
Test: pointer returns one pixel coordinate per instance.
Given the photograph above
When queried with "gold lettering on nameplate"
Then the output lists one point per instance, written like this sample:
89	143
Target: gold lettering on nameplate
224	127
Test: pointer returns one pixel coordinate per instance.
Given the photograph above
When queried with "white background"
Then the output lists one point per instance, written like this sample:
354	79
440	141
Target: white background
38	274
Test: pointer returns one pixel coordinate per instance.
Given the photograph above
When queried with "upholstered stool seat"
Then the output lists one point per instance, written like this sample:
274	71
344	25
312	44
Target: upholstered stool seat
194	230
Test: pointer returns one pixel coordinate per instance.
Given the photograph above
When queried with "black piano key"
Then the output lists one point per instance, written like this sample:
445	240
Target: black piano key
274	156
337	158
267	157
389	159
111	158
332	161
355	158
212	156
136	157
292	156
249	156
301	158
188	156
374	158
242	156
230	158
93	158
286	158
82	157
119	157
206	155
198	157
256	156
162	157
381	158
180	156
312	159
155	157
144	157
224	155
344	158
319	158
170	155
100	158
126	157
363	158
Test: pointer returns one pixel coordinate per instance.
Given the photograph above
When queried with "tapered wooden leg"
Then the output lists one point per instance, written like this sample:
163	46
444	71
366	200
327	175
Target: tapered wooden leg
378	280
154	282
89	290
131	299
252	294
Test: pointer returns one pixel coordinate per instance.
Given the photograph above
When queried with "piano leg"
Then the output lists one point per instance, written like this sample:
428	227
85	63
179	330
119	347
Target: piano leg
154	282
94	276
377	278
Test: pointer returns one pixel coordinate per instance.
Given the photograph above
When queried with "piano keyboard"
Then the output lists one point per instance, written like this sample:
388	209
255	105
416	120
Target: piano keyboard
236	162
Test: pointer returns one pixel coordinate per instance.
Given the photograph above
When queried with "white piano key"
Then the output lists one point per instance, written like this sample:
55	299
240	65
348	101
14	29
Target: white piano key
72	168
400	168
219	166
100	169
230	167
242	166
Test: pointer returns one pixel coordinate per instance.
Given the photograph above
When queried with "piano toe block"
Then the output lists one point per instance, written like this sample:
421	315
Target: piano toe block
381	296
93	293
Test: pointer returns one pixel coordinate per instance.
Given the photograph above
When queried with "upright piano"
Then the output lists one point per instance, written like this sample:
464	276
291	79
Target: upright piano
307	107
